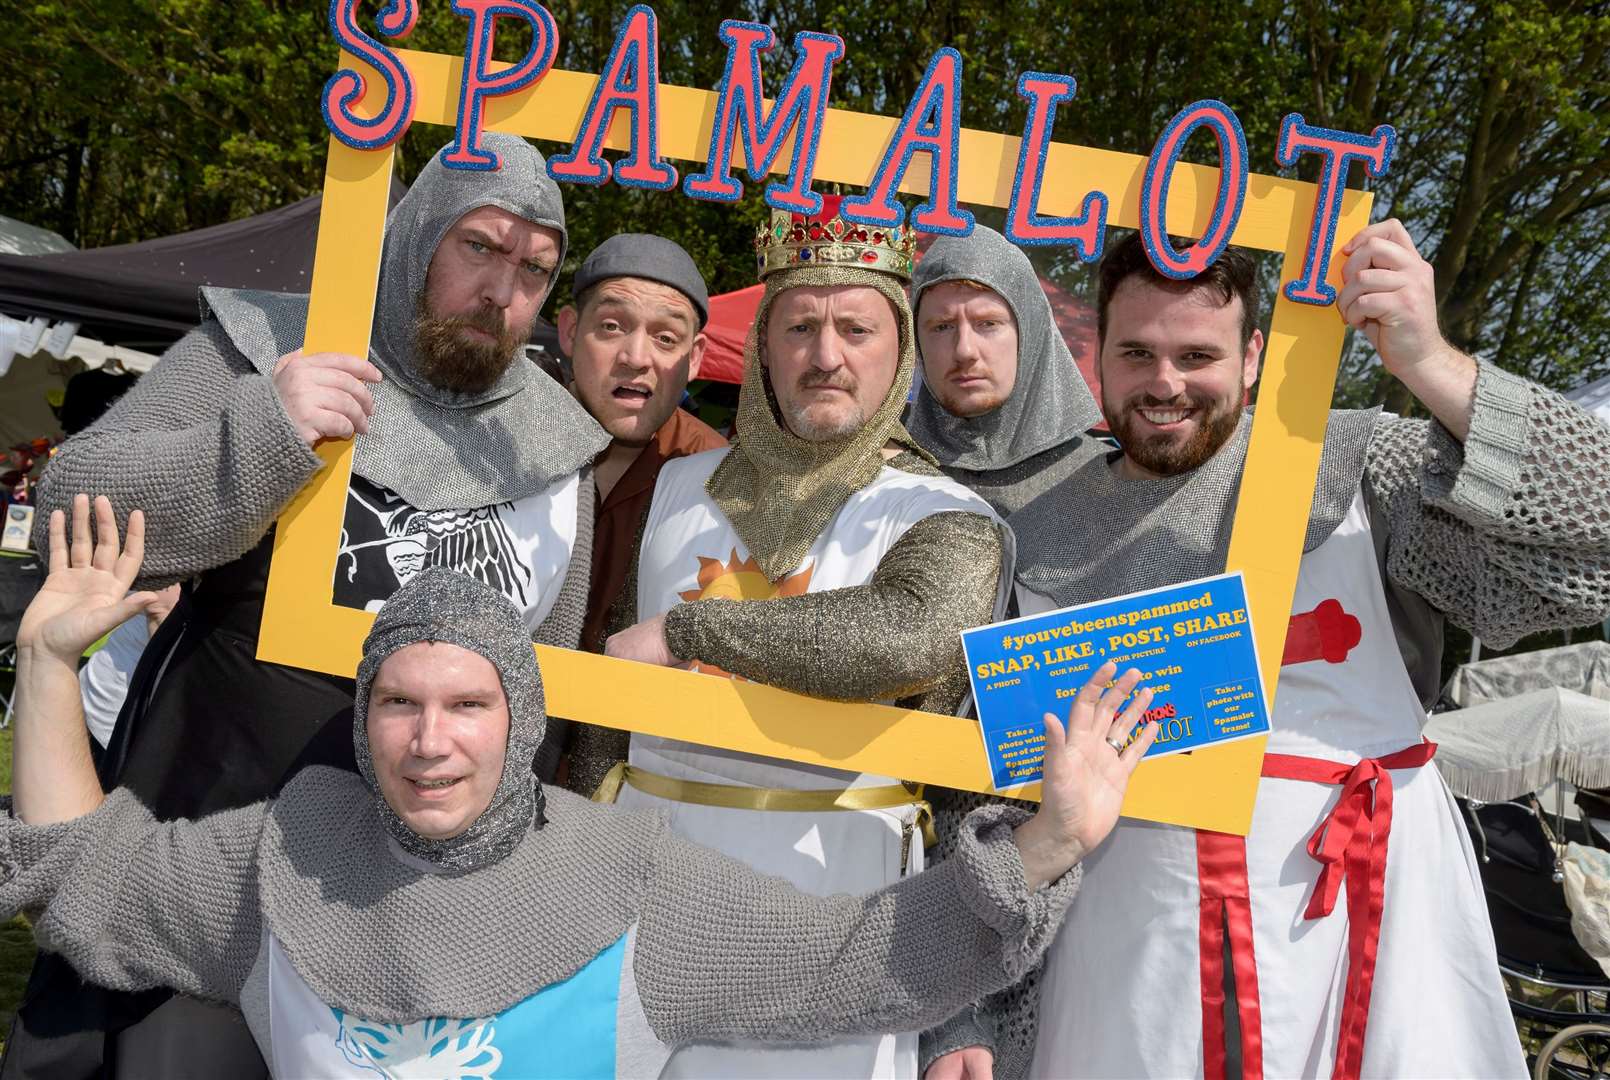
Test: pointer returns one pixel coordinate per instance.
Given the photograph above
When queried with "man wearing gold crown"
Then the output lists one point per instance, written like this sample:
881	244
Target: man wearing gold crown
872	561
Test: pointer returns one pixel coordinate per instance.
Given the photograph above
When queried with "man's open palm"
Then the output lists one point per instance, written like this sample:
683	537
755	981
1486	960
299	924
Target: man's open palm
86	595
1084	777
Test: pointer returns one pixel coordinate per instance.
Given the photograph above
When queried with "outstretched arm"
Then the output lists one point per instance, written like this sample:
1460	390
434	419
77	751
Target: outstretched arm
726	953
894	637
134	903
130	902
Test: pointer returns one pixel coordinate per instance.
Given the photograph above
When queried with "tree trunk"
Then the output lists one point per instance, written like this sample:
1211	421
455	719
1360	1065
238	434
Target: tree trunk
69	223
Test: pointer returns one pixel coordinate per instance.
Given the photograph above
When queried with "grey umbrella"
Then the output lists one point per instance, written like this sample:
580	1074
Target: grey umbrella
1504	749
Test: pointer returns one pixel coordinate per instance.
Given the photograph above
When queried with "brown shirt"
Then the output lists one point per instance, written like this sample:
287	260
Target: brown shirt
618	515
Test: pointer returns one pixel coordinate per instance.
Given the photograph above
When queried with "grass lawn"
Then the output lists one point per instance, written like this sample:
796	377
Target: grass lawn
16	938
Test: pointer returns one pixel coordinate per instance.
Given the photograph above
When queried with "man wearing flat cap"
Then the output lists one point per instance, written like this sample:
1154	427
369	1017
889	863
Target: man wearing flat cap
870	561
634	338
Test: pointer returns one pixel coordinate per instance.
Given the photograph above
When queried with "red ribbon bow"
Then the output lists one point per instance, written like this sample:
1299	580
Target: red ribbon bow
1350	845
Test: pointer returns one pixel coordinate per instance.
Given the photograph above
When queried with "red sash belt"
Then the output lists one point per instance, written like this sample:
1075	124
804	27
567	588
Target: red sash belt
1350	846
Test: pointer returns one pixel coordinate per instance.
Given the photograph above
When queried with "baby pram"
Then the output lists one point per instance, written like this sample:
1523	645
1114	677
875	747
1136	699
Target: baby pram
1559	995
1497	755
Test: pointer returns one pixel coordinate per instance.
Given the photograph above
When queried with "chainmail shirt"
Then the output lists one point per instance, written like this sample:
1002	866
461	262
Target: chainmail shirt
1013	487
722	952
1506	534
896	638
1100	534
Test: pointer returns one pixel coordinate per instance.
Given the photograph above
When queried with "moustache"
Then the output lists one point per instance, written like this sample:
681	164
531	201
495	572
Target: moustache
1178	401
485	318
837	380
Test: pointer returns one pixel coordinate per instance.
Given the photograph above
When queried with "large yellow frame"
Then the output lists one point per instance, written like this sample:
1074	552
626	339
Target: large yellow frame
1211	789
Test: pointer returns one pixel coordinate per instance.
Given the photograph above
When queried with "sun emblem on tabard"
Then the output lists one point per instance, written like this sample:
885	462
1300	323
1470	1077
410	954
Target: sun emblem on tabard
740	579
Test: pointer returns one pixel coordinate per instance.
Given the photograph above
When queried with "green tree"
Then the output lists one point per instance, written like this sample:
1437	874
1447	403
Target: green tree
1504	167
127	121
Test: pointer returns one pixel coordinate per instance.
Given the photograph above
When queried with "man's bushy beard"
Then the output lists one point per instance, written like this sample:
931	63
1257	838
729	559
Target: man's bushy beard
1216	422
449	360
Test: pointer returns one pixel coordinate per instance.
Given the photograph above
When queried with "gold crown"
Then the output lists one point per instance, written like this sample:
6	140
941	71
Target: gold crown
826	239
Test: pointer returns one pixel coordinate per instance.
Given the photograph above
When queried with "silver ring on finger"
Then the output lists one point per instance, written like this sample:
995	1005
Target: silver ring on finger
1116	744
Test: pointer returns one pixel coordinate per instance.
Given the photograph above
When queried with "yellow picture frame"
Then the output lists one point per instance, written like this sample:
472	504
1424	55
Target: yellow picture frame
1211	789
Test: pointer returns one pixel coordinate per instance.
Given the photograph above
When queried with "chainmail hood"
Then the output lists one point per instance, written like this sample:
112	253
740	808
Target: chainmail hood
440	605
778	490
1098	534
414	230
1049	403
393	927
439	449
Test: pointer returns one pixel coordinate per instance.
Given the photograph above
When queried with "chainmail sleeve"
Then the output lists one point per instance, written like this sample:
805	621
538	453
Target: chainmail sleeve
724	952
1508	533
1005	1022
201	444
594	750
133	903
895	638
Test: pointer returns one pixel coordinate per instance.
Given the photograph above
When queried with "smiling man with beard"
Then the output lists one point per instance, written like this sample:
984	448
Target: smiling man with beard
1172	383
467	458
1492	514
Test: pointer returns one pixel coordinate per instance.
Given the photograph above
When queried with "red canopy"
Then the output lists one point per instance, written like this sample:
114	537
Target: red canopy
731	315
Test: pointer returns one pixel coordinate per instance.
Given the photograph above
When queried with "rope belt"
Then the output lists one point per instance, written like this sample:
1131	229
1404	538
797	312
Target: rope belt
1350	846
739	797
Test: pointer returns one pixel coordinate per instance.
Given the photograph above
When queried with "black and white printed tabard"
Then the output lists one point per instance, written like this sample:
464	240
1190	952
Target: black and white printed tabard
519	548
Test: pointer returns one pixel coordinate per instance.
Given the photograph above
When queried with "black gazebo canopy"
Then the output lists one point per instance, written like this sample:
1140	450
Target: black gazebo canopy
143	296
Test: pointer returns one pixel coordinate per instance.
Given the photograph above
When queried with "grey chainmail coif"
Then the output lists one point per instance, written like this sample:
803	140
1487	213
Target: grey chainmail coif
779	490
440	449
1049	403
414	230
1099	534
441	606
392	926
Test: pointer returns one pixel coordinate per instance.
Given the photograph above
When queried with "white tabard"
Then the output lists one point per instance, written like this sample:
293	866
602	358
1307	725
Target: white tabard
1123	985
690	550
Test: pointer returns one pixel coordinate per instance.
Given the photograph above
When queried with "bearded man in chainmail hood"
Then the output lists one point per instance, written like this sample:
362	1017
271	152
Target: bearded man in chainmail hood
443	914
467	457
1493	514
1001	405
870	562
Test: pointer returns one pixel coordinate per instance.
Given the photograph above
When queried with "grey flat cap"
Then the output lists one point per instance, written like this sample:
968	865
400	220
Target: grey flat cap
644	255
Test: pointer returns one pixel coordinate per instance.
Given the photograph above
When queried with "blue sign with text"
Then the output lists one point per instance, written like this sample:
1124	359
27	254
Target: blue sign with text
1193	644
